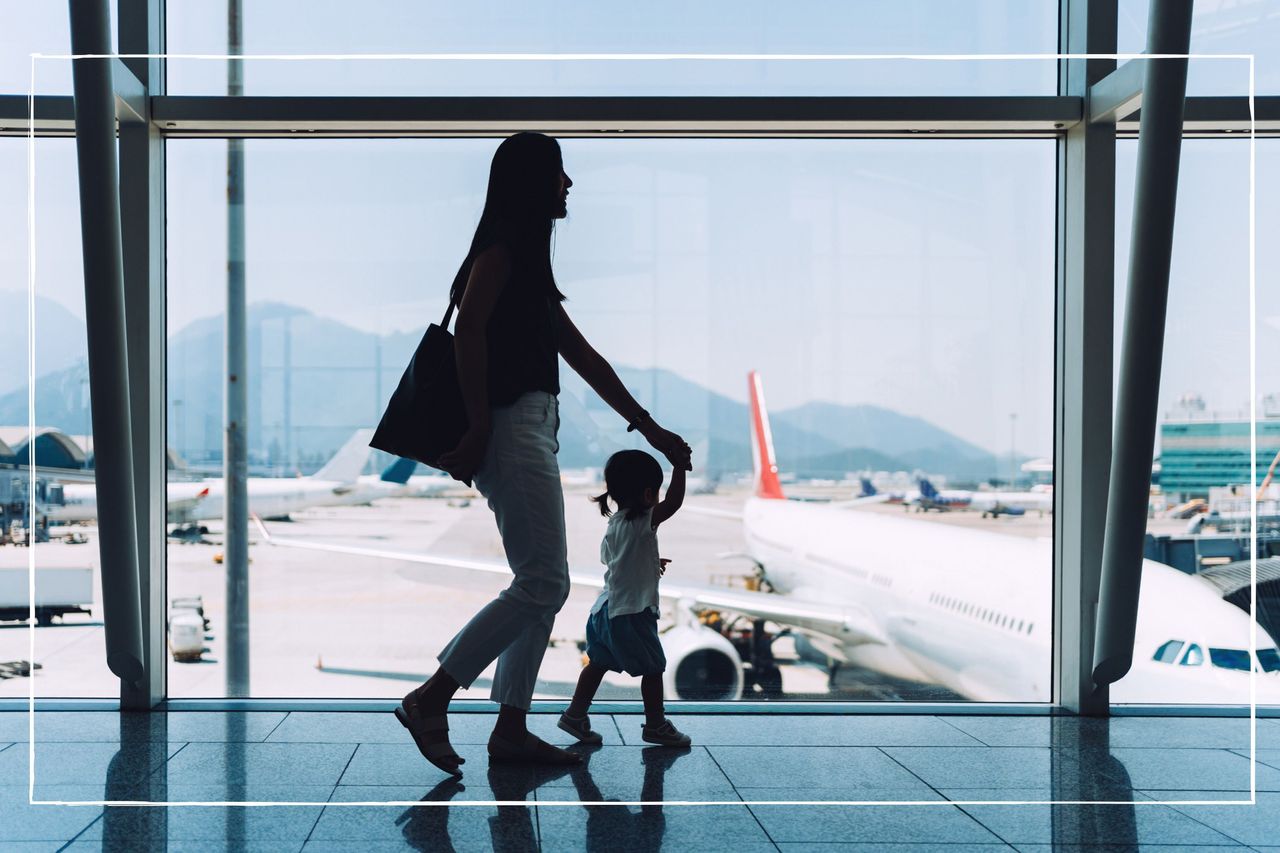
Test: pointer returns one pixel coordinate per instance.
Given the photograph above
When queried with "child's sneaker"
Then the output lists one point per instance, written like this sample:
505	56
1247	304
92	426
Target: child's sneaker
664	734
579	727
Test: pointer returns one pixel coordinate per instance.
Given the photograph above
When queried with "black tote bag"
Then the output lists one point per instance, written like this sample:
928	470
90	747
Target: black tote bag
426	416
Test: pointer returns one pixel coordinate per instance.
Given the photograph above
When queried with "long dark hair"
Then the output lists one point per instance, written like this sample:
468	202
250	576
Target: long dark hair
626	475
519	210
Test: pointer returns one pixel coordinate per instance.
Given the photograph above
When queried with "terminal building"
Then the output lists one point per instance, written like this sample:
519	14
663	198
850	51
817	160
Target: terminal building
1197	455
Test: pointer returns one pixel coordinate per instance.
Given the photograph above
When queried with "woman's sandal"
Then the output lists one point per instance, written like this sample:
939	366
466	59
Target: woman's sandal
534	750
438	750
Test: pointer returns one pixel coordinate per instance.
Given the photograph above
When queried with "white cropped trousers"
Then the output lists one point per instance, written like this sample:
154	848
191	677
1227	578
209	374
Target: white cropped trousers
520	478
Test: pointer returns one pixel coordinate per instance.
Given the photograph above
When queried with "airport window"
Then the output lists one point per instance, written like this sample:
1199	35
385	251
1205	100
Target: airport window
69	637
585	26
666	238
1230	658
1203	415
1168	652
682	266
1194	656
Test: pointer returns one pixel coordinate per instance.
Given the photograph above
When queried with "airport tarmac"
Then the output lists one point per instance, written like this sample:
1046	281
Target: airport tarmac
327	625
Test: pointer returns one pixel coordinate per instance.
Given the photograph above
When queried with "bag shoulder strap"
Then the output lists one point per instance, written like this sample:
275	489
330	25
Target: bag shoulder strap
448	314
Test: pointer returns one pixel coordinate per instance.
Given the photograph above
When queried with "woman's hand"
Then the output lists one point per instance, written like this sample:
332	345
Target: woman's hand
462	462
662	566
666	442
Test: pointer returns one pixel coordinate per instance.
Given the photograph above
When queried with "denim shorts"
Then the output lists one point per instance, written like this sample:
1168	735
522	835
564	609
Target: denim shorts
627	643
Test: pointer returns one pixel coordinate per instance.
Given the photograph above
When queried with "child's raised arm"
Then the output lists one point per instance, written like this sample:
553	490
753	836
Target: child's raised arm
675	497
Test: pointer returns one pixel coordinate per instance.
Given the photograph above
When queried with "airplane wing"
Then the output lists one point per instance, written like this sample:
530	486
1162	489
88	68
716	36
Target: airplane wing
713	512
849	626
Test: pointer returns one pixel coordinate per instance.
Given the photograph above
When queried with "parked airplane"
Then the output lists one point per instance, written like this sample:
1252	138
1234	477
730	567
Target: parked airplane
990	503
943	501
396	481
270	497
967	609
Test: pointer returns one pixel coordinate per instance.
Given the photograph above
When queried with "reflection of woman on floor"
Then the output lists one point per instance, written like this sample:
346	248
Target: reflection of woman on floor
642	831
511	329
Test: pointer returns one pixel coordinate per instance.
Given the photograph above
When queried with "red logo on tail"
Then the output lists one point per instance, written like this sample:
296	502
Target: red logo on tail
766	467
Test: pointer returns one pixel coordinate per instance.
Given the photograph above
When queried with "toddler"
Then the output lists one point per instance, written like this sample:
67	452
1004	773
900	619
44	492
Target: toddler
622	631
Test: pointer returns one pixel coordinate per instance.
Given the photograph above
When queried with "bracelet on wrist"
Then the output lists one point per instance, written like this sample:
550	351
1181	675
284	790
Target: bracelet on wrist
635	422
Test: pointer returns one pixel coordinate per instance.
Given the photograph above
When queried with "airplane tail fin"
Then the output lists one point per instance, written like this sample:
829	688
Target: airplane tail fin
927	490
868	488
766	466
349	461
400	471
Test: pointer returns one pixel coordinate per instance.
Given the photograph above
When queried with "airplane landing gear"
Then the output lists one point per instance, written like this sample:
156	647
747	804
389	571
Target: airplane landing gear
761	676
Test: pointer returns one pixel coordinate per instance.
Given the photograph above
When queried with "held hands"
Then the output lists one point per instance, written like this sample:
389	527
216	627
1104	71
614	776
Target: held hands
670	445
462	462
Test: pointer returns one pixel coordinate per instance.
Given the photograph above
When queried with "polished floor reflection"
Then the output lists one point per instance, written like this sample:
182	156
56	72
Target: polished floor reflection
972	778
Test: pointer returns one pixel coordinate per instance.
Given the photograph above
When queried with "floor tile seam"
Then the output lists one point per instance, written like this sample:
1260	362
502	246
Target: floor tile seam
347	766
1188	812
164	764
912	772
943	718
319	814
274	729
618	726
83	830
738	794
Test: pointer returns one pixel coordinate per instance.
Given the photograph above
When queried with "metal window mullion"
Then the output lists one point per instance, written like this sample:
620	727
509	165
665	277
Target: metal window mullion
1083	359
142	180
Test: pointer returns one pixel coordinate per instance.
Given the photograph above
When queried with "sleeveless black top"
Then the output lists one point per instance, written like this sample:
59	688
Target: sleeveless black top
521	336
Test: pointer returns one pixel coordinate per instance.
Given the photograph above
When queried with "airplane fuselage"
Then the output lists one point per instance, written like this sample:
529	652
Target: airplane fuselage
971	609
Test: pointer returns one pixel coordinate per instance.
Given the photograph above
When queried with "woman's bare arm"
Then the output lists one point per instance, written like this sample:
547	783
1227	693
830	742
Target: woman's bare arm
603	379
593	368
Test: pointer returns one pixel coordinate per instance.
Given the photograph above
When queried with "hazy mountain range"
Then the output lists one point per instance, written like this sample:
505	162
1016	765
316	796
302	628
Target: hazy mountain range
338	378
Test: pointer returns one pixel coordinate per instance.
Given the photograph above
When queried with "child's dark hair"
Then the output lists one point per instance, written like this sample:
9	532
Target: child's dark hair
626	475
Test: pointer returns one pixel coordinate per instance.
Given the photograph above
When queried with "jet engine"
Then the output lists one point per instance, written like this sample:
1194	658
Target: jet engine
702	665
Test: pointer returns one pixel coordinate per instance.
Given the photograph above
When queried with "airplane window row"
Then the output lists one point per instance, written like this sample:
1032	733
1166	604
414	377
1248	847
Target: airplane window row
1238	659
983	614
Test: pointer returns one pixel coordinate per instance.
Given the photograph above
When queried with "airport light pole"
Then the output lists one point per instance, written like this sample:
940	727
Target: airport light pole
235	449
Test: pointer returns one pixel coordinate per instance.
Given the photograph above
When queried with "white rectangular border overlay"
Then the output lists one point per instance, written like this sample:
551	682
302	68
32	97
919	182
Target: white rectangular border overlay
655	57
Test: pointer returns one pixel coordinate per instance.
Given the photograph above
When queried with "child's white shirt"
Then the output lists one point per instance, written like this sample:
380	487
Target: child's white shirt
629	551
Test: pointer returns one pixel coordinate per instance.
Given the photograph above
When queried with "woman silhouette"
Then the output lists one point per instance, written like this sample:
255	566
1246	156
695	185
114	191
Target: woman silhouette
511	328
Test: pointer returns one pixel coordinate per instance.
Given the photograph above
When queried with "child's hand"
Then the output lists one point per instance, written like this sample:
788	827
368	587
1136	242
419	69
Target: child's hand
662	566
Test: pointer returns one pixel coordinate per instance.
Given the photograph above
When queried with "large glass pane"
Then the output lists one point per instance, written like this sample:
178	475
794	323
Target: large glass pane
1200	500
895	297
40	27
70	650
1219	26
581	26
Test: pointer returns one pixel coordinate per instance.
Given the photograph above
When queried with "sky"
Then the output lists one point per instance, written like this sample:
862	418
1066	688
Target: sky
916	275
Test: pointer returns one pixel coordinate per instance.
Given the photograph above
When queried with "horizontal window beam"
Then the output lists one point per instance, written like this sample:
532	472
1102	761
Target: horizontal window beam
292	117
604	116
1118	95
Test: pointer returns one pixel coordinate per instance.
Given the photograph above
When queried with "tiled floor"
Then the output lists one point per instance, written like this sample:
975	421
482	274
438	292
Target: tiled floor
948	765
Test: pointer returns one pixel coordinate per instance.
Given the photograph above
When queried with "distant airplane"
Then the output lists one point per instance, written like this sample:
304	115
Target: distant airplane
397	481
964	608
269	497
943	501
992	504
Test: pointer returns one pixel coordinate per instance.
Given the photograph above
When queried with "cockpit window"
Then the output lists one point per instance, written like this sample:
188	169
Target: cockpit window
1168	653
1194	656
1270	660
1230	659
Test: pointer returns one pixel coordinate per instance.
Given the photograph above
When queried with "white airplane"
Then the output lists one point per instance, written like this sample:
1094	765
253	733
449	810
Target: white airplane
397	481
270	497
967	609
989	503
